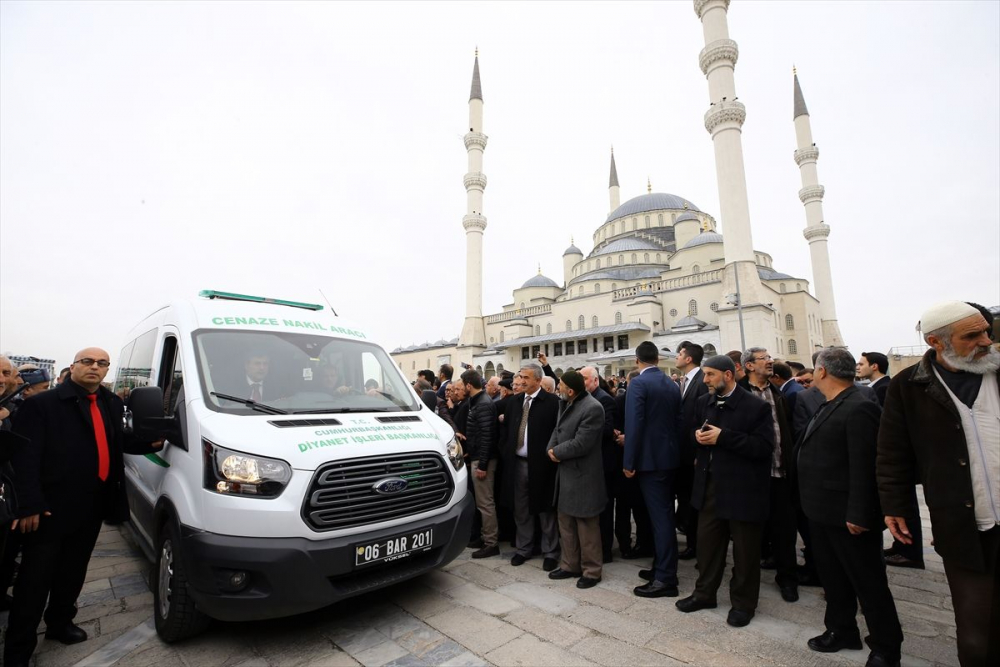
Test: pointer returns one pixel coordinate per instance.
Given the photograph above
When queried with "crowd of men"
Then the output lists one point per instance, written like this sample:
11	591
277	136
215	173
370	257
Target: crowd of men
736	448
746	449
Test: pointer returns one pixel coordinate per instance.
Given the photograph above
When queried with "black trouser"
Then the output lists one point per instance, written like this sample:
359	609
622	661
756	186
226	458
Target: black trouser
780	531
687	515
852	570
976	598
914	551
629	503
714	534
8	561
53	565
607	517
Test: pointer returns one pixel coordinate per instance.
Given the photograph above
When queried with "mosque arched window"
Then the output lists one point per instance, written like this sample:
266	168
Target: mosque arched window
695	269
782	288
501	336
581	290
793	347
659	219
613	228
618	317
569	325
692	307
635	224
614	286
522	306
673	218
673	312
479	369
710	351
499	369
635	258
593	321
548	328
714	307
598	263
597	288
798	287
647	222
538	330
645	258
621	260
657	258
789	322
490	370
492	340
581	323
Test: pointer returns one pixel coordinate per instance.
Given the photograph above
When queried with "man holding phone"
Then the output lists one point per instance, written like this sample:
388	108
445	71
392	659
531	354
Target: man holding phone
730	490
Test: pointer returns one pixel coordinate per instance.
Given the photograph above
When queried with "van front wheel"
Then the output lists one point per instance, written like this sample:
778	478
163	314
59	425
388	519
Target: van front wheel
174	611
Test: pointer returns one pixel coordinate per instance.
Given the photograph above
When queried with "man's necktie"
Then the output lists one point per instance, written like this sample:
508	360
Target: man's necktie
523	426
255	392
684	381
103	460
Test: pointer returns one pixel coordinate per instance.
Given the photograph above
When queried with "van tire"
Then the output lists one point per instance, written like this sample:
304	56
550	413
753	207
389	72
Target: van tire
174	612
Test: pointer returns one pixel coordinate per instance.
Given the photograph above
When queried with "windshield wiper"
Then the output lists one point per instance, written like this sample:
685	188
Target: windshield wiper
339	411
252	404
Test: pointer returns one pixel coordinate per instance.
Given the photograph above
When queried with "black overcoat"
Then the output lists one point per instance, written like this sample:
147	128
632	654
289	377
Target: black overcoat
57	467
740	460
542	418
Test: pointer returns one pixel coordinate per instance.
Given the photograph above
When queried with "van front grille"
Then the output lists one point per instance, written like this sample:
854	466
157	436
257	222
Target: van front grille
342	494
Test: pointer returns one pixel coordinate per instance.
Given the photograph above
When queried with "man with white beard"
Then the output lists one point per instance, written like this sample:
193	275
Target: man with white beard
941	428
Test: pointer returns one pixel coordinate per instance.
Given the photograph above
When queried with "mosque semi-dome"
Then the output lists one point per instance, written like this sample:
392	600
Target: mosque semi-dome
625	245
703	238
539	281
653	201
686	216
572	250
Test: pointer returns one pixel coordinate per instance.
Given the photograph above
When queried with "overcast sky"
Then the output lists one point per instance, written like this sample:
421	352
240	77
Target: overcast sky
148	151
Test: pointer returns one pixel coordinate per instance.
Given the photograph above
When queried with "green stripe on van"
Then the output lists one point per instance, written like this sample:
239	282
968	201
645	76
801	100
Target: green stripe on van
155	458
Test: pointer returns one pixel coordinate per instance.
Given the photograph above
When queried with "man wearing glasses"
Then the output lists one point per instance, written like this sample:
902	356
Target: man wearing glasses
70	479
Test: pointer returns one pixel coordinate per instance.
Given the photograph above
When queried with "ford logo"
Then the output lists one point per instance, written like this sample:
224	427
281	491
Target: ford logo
390	485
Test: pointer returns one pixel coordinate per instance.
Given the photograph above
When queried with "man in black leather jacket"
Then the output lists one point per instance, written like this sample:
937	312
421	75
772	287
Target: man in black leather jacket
481	446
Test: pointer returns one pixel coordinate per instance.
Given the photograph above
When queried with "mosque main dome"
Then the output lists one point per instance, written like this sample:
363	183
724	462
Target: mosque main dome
654	201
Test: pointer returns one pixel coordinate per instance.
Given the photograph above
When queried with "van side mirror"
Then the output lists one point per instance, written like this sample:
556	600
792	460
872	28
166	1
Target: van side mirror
145	419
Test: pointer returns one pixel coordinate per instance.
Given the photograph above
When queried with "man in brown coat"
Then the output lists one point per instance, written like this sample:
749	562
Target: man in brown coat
941	428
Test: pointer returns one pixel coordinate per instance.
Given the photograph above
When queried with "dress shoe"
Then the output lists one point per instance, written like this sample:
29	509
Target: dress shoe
739	618
900	560
691	603
550	564
646	574
687	554
768	564
587	582
629	554
655	589
475	544
560	573
881	660
790	593
68	634
831	642
517	559
890	551
487	552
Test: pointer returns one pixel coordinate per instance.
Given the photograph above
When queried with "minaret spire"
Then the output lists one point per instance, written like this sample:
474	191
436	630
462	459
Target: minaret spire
753	322
474	222
816	231
613	191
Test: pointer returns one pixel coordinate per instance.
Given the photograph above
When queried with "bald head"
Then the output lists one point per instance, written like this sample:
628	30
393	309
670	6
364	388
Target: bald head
591	378
89	367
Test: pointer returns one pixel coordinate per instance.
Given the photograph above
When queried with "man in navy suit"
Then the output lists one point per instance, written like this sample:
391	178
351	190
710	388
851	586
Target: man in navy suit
652	451
786	384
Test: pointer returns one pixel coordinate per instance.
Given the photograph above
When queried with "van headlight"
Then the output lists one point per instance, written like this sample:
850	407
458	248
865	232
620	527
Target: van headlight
238	474
455	453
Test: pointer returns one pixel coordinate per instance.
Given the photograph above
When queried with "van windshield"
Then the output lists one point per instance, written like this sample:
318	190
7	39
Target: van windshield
298	374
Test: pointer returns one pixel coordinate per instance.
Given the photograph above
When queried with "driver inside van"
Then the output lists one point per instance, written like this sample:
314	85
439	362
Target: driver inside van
256	366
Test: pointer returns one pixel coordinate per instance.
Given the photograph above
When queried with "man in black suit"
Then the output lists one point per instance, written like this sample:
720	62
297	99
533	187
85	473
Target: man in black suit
836	476
592	383
70	479
628	497
692	383
874	367
732	478
529	486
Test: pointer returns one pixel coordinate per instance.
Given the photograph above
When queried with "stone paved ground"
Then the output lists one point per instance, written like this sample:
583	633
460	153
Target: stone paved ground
488	612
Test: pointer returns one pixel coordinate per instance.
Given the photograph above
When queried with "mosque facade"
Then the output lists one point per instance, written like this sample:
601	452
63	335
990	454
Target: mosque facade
659	269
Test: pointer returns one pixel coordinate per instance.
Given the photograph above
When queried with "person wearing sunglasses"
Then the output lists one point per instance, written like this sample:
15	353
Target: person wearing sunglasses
70	479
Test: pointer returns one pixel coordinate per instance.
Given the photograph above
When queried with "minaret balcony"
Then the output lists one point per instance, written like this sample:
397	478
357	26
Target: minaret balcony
725	112
475	140
475	180
701	5
811	193
816	232
804	155
721	51
474	222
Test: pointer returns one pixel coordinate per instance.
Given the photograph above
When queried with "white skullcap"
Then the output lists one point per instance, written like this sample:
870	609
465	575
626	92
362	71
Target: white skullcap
945	313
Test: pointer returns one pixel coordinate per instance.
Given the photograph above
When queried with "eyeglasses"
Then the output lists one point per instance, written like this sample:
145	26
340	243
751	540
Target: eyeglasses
768	358
87	361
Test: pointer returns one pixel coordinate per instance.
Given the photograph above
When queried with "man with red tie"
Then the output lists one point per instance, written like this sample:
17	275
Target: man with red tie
70	478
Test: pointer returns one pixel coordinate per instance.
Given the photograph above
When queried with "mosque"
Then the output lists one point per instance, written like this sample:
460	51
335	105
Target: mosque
660	268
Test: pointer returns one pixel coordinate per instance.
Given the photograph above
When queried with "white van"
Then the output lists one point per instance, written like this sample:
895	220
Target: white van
300	467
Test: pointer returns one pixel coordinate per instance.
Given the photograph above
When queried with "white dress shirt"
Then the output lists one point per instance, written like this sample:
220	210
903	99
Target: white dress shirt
523	449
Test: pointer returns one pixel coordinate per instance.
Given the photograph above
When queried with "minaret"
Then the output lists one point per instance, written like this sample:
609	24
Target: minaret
473	331
724	121
613	191
816	229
